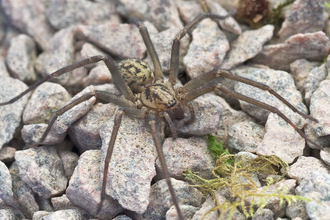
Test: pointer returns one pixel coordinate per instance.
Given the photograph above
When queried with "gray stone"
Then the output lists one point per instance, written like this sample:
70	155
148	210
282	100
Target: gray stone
30	18
136	9
207	49
183	154
85	132
70	214
303	168
306	16
161	200
84	188
42	169
119	39
245	136
207	110
206	206
163	14
70	161
7	154
312	46
3	68
247	46
229	24
45	101
317	189
20	58
325	156
64	13
299	70
187	212
319	108
7	195
33	133
24	193
10	115
313	80
132	164
273	203
188	10
229	117
122	217
60	52
297	209
263	214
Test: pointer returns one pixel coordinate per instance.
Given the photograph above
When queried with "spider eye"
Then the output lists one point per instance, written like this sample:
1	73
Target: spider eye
171	103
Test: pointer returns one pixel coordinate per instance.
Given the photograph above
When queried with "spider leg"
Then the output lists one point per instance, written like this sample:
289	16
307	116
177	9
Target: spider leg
119	82
215	86
150	47
174	67
155	136
207	77
114	133
55	74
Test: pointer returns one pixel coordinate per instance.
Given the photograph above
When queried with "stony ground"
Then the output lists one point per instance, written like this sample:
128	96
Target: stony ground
62	180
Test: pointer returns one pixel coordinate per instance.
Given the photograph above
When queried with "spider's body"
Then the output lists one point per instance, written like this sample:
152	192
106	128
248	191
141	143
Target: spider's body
145	94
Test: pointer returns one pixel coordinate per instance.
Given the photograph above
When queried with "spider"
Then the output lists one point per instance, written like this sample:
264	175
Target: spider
145	94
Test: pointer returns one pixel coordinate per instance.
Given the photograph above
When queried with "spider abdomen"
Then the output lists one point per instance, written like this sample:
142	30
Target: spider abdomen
136	73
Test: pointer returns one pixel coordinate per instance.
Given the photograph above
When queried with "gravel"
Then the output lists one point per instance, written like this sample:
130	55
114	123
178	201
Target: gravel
62	179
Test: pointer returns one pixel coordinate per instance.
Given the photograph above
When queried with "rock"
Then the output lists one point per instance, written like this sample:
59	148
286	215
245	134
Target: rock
247	46
316	188
60	52
207	49
70	214
313	80
207	110
33	133
123	40
299	70
64	13
188	10
229	24
7	195
10	115
163	14
306	16
263	214
229	117
3	68
297	209
245	136
132	164
311	46
136	9
84	188
183	154
42	169
319	108
206	206
187	211
85	132
303	168
24	193
70	161
21	57
161	200
7	154
30	18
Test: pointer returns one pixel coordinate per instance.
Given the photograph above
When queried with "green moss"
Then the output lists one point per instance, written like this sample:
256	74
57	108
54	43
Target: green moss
228	174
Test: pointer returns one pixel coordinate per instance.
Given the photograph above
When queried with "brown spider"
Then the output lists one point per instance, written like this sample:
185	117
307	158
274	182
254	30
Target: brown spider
147	95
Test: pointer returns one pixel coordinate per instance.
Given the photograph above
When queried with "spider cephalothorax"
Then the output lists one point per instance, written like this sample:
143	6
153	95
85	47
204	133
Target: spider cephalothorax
145	94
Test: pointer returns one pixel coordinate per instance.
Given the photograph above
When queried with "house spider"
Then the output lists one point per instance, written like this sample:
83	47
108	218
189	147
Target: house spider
146	95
